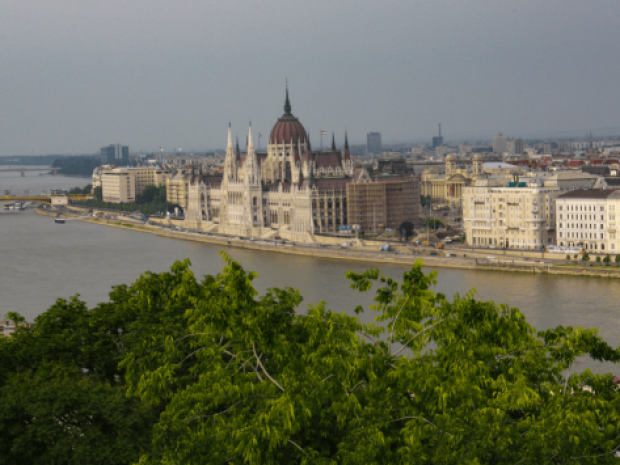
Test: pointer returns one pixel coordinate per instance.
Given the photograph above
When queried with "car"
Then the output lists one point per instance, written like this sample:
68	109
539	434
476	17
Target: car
492	247
434	253
485	246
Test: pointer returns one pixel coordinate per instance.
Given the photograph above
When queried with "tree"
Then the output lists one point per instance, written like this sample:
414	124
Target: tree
598	259
617	259
607	259
406	229
575	257
567	257
585	257
433	222
98	193
231	376
63	396
270	384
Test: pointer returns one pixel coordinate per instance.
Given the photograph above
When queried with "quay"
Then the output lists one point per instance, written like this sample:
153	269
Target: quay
461	257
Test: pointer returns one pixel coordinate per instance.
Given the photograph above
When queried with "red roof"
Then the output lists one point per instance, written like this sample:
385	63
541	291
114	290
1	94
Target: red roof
575	163
326	159
288	130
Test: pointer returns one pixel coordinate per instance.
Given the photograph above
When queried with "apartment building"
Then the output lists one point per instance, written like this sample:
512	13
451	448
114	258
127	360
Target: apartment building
149	176
519	215
587	218
125	184
118	186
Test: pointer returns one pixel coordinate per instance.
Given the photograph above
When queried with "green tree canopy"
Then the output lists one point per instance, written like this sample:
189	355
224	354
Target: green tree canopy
213	372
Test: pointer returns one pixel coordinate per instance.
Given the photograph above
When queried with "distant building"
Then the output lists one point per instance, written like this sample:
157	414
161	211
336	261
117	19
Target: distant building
115	154
515	146
438	140
373	143
500	143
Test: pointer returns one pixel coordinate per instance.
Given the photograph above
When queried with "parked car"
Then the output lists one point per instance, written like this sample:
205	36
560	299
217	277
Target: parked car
434	253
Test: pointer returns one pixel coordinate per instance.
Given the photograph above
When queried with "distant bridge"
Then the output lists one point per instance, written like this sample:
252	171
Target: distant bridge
53	171
41	198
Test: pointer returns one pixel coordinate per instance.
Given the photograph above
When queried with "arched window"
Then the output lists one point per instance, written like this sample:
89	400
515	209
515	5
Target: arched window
254	201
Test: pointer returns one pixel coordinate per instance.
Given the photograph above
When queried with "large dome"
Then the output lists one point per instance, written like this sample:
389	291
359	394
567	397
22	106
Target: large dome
288	129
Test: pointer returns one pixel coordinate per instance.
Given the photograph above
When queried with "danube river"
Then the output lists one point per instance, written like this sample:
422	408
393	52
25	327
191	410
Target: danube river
41	261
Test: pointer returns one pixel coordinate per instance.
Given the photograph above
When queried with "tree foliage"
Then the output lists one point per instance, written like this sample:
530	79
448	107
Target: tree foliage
152	199
213	372
406	229
78	165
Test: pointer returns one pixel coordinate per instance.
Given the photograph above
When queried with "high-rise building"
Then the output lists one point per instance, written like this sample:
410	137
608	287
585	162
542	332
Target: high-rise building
500	143
438	140
115	154
373	143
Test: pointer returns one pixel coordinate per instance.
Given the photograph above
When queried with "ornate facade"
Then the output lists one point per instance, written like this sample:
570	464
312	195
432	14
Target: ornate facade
289	191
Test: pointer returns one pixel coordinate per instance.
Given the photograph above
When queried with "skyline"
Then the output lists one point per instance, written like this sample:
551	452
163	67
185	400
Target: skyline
147	74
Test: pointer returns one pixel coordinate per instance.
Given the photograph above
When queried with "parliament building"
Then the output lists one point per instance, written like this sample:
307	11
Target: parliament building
294	193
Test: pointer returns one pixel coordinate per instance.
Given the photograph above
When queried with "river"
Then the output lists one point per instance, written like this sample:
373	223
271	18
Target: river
41	261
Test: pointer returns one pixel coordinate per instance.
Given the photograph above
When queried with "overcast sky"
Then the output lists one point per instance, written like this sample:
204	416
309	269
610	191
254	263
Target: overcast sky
76	75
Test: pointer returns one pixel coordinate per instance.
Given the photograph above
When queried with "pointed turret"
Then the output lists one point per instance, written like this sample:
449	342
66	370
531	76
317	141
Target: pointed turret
333	142
230	166
347	155
252	171
237	152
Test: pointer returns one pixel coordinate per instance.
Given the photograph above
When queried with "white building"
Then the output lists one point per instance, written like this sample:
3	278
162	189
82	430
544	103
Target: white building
517	214
587	218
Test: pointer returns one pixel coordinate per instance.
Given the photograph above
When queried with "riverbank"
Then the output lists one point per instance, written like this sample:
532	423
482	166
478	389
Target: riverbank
466	260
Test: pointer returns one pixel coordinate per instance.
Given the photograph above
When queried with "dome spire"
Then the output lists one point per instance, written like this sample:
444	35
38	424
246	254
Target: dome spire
287	103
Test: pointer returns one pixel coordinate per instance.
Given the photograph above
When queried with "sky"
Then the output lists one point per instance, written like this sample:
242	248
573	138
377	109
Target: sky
76	75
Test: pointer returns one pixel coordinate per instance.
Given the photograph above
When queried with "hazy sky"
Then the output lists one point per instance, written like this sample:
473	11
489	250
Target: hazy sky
76	75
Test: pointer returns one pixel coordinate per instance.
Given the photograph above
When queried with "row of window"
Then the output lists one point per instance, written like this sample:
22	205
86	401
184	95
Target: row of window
581	235
582	208
580	226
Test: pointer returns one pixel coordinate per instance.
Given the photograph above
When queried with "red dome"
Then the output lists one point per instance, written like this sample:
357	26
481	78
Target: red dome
288	129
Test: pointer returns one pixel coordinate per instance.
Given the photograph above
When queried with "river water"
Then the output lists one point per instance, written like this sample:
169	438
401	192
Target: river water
41	261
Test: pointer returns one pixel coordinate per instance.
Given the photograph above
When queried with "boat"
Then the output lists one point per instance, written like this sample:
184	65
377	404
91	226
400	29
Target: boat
59	221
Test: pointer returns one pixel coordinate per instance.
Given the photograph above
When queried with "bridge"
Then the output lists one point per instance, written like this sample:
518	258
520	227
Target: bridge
41	198
53	171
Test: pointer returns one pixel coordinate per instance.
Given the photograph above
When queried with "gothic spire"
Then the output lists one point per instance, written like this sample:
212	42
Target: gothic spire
333	142
229	138
346	141
287	103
